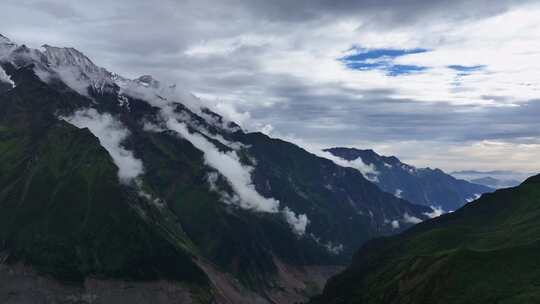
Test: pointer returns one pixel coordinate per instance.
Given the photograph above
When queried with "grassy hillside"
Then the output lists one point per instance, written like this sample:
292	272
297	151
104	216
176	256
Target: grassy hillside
486	252
64	211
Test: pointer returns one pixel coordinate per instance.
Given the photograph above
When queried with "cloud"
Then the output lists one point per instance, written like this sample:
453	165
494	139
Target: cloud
473	198
56	9
111	133
239	177
227	163
329	246
69	75
411	219
383	14
298	223
437	211
6	78
280	61
267	129
368	171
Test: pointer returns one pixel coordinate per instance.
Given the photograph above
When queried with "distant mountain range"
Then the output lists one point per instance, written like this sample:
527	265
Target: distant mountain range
494	179
484	253
495	183
108	182
424	186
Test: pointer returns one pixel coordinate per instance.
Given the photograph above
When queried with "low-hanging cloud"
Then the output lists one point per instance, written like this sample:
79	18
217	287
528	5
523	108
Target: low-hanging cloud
368	171
111	133
436	212
410	219
6	78
298	223
239	177
228	163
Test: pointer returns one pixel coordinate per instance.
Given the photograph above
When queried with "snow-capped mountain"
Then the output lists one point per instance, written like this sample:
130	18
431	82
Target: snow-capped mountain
132	179
424	186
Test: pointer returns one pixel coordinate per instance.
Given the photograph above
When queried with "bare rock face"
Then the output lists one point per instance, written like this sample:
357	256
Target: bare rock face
22	285
292	284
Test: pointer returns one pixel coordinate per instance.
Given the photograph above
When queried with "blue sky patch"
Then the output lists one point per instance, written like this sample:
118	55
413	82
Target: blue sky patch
382	59
363	55
464	70
467	69
399	69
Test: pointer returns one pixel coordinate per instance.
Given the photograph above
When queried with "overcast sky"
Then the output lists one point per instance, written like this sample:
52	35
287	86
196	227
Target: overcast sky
449	84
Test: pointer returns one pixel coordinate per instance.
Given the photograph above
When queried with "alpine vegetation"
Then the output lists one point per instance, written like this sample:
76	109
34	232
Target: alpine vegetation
111	133
179	159
105	172
237	174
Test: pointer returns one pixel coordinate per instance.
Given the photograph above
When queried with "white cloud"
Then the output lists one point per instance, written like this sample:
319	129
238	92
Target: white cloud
111	133
398	193
437	211
158	95
482	155
229	165
411	219
473	198
395	224
329	246
230	112
6	78
506	44
239	177
334	249
267	129
298	223
262	61
368	171
69	75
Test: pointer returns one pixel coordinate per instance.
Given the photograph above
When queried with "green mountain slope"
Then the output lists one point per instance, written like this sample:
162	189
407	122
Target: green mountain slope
65	212
486	252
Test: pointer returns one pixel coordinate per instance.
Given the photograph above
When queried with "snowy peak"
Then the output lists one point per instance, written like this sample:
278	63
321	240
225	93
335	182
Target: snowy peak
81	74
69	57
77	70
423	186
5	40
6	46
148	81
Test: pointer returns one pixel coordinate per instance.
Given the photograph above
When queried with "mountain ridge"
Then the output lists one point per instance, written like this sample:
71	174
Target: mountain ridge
494	178
195	183
424	186
484	253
